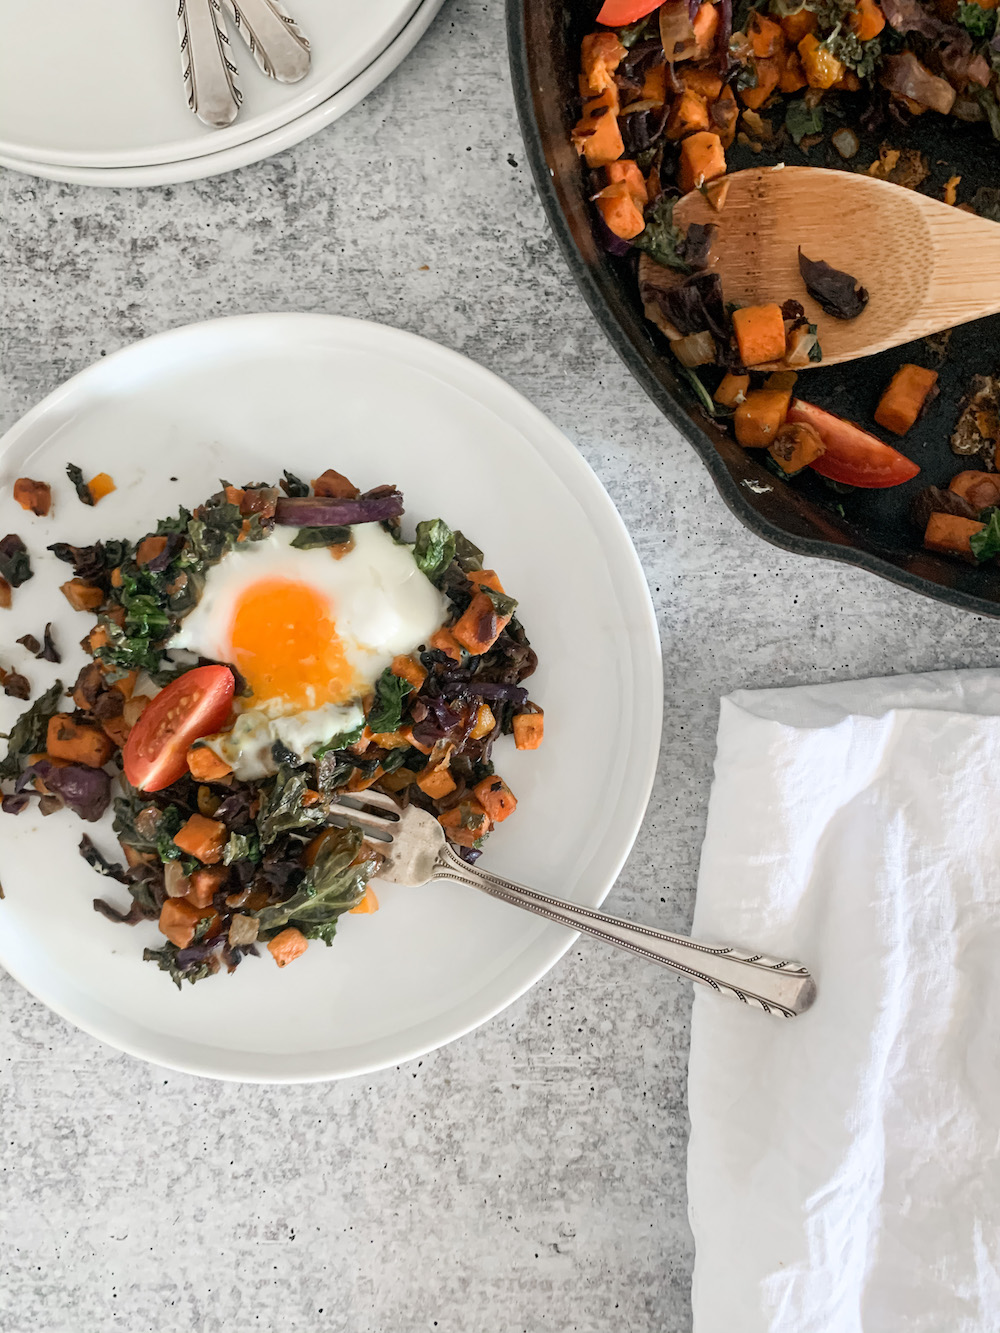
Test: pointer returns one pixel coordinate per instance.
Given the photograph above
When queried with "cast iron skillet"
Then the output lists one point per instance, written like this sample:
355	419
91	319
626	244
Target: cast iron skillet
873	531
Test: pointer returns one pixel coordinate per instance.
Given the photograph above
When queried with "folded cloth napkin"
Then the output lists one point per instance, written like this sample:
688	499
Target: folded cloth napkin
844	1166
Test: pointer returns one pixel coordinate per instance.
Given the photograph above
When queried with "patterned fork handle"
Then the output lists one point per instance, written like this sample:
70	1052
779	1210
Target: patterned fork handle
276	41
777	986
209	71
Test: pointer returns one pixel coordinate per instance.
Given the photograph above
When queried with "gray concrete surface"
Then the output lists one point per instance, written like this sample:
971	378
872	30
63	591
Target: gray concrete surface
531	1176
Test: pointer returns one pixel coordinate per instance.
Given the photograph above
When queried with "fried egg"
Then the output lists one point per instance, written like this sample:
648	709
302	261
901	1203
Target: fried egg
310	634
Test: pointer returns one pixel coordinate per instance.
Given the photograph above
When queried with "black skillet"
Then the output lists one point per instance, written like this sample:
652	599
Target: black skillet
804	516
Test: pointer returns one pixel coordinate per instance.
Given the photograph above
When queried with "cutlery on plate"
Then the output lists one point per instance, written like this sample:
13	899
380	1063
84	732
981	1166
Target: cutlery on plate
927	265
417	852
209	71
276	41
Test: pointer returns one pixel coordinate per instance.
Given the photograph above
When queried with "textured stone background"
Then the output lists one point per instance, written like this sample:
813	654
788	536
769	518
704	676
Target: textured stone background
531	1176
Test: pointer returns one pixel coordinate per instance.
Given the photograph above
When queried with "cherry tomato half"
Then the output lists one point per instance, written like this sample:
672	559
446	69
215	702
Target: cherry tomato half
618	13
852	456
192	706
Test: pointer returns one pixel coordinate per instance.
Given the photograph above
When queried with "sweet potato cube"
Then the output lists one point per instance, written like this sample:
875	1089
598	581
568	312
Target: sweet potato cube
287	946
496	798
702	159
688	115
596	135
480	625
529	729
904	399
78	742
600	55
406	668
35	496
616	205
949	533
436	782
760	334
202	838
178	920
760	416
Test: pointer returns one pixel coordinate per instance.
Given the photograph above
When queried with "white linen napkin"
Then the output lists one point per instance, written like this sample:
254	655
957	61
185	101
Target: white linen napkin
844	1166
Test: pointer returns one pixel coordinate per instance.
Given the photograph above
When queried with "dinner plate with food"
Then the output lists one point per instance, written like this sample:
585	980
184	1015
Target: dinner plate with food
259	565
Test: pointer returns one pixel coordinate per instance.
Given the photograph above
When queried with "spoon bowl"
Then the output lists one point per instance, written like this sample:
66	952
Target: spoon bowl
927	265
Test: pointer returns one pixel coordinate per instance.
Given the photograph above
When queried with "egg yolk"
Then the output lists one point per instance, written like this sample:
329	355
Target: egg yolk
284	641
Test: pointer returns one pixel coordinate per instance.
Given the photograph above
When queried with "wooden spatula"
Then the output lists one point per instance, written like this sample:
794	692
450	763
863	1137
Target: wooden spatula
927	266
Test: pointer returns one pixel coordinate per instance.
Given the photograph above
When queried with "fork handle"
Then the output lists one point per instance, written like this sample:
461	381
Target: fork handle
276	42
777	986
209	72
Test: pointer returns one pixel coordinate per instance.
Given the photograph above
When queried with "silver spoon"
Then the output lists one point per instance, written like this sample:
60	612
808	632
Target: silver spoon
276	41
416	852
209	71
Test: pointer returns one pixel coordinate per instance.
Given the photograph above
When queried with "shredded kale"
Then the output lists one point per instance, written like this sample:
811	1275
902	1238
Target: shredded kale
339	742
702	394
802	120
166	960
502	604
294	486
82	489
333	885
986	544
662	240
15	564
386	712
986	202
987	100
851	51
307	539
95	858
282	810
977	20
434	549
634	32
27	736
468	554
241	847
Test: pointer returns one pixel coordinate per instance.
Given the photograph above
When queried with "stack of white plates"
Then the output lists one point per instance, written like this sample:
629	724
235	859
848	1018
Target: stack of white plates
91	91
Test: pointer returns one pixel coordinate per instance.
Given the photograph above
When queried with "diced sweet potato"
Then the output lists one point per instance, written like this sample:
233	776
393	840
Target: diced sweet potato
793	76
904	399
484	724
732	390
622	216
949	533
654	85
702	159
411	740
360	781
82	596
867	21
77	742
445	642
480	625
35	496
116	729
796	26
6	594
205	883
496	798
100	486
529	729
822	68
178	921
766	36
406	668
627	171
466	823
390	740
981	489
758	419
436	782
725	114
367	905
705	24
688	115
287	946
596	135
149	548
700	80
205	765
334	485
768	76
795	447
202	838
600	55
760	333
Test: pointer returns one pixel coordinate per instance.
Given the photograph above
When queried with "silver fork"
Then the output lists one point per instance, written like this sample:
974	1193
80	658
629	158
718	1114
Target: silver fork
416	852
276	41
208	69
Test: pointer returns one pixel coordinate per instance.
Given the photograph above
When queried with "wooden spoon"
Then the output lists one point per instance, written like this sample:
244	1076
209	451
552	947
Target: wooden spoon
927	266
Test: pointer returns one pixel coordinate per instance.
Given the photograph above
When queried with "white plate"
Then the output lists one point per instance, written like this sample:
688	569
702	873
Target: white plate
255	150
241	399
97	83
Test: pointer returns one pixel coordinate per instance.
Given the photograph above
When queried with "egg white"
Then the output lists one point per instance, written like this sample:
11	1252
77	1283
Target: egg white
382	605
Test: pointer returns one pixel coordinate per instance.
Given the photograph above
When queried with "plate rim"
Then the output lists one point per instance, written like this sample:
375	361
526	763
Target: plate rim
233	136
254	150
645	647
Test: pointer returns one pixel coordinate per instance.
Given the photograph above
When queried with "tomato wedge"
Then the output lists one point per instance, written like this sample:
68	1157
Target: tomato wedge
618	13
192	706
852	455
